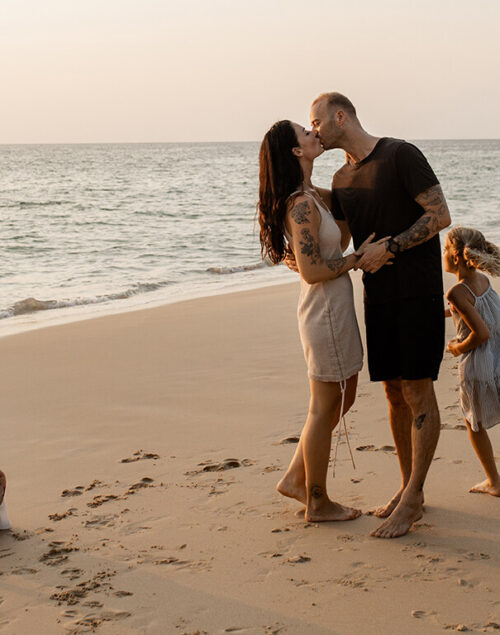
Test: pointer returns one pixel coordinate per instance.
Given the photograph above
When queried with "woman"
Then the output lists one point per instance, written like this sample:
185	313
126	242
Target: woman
291	209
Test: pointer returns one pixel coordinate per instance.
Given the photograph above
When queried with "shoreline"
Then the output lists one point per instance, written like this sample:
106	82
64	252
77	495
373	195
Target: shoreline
16	324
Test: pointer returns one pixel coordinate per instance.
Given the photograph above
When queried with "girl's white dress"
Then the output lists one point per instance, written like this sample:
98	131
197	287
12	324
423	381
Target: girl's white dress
479	369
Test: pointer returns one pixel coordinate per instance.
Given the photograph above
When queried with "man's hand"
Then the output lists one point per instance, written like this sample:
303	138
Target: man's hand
289	260
374	256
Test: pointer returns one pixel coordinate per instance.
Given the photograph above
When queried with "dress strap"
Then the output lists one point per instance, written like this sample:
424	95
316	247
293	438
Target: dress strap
299	192
469	289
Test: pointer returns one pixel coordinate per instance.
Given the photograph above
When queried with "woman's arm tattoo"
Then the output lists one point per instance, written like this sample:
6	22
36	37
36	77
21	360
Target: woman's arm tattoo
336	264
309	247
301	213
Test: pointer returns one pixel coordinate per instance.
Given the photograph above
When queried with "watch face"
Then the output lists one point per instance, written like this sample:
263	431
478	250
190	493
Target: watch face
393	246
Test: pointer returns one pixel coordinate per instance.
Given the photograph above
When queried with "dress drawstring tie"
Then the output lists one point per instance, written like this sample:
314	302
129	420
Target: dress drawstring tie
343	386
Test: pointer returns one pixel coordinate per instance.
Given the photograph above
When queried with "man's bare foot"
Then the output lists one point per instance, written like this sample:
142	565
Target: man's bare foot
384	511
330	511
289	487
400	521
3	484
486	487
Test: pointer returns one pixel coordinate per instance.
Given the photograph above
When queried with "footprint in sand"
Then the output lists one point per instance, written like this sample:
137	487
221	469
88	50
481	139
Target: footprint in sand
72	596
20	536
94	484
140	456
72	574
23	571
99	521
93	620
457	426
298	559
77	491
57	553
56	517
6	552
294	438
477	556
422	614
144	482
278	530
99	500
372	448
227	464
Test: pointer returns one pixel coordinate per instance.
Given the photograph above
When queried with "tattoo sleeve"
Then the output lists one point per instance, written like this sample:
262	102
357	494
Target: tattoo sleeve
435	217
309	247
336	265
301	213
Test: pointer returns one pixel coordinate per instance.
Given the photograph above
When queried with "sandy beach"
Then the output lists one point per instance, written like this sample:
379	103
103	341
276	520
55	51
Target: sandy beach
142	452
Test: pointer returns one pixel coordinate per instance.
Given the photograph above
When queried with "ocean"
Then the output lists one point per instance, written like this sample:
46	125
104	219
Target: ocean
101	228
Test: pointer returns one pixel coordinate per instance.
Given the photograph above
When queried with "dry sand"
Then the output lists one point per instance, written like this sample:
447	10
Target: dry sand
142	452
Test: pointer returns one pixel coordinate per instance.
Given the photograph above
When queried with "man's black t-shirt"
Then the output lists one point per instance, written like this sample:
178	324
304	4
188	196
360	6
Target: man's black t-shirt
378	195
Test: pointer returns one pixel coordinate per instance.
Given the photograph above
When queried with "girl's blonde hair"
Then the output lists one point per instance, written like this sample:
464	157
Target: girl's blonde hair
476	251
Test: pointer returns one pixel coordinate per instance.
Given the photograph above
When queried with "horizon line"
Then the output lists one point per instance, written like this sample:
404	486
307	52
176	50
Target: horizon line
63	143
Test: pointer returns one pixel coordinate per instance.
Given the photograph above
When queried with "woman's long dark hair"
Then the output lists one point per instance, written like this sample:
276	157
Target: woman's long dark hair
280	174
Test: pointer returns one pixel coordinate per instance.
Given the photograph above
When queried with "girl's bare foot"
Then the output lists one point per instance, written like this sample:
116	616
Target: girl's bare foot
486	488
330	511
293	489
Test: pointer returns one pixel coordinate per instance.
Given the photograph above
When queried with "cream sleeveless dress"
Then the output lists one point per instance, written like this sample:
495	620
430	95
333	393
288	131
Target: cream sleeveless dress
327	321
479	369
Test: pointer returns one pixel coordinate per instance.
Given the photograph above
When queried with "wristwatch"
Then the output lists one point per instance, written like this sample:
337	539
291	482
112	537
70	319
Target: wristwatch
393	246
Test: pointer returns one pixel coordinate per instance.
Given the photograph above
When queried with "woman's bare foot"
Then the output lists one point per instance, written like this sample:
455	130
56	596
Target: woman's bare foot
293	489
330	511
400	521
3	484
486	487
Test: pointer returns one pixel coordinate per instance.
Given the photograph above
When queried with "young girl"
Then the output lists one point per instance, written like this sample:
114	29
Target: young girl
475	308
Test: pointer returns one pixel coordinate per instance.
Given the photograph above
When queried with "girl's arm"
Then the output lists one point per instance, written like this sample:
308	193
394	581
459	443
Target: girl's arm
303	220
462	302
345	232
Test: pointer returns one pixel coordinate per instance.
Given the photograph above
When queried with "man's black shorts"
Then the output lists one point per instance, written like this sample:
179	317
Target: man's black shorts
405	338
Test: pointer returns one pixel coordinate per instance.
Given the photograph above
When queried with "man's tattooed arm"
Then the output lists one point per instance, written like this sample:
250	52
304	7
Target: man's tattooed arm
435	218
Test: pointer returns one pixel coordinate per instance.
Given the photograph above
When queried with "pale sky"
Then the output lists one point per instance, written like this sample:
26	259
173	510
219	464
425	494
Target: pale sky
225	70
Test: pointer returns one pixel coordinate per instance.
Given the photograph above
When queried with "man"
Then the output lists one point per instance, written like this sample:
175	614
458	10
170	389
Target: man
386	186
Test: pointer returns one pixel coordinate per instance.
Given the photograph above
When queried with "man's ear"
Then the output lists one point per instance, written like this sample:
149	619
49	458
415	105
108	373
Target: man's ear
297	151
340	117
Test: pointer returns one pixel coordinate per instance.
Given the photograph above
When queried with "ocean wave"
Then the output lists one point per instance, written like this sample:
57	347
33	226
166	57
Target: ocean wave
32	305
238	268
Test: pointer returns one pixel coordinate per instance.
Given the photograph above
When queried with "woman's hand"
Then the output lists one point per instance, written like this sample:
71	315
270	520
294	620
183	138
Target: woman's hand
453	347
289	260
